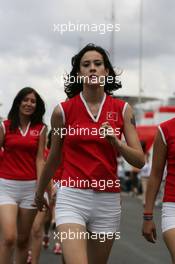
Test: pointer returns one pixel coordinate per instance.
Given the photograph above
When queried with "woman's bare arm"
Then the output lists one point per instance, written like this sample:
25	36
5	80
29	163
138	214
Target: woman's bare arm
158	165
132	151
54	157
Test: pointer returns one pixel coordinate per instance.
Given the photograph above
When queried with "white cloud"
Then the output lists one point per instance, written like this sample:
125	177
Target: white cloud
33	55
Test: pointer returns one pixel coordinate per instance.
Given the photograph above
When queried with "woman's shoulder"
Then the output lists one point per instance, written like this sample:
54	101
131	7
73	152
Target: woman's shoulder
70	101
5	123
166	129
117	100
168	123
70	104
37	129
119	105
41	123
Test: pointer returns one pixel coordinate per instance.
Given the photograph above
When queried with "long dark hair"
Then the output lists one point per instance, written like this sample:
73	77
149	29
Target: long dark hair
72	88
49	139
37	116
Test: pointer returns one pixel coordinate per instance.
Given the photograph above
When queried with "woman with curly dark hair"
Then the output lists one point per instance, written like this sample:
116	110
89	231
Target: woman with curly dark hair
22	137
87	129
74	83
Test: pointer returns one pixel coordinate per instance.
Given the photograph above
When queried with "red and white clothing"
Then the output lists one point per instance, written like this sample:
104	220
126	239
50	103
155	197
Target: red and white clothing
167	130
88	156
21	193
20	150
1	155
99	212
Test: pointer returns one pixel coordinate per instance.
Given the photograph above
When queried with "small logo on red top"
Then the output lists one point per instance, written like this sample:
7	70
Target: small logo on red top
112	116
34	133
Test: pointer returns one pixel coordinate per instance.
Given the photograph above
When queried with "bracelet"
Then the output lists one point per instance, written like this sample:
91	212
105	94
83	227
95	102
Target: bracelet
147	216
147	213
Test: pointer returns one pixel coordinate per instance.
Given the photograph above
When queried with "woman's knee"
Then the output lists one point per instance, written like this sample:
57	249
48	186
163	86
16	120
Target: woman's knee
37	231
9	240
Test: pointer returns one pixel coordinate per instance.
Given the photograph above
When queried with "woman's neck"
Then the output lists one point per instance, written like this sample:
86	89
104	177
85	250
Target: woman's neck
24	120
93	94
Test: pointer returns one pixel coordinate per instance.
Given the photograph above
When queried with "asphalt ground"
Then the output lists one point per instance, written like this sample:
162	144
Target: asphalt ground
131	248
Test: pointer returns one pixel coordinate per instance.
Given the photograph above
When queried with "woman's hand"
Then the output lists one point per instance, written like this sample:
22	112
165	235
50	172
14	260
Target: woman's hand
41	203
149	231
108	132
53	197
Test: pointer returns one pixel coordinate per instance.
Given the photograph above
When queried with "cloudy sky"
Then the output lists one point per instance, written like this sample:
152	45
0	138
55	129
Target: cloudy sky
33	54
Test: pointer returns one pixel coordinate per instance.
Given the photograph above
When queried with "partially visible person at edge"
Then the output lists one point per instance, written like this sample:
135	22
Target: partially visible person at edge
83	205
1	154
22	136
163	156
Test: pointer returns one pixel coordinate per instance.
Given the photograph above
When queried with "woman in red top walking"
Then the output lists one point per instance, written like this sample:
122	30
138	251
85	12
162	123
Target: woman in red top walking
1	154
87	129
23	138
163	157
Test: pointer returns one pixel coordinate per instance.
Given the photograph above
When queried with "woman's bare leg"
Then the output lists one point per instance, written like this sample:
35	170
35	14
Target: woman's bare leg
25	221
73	243
169	238
8	223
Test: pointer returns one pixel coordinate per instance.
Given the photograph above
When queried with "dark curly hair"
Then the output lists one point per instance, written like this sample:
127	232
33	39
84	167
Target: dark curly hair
73	88
37	116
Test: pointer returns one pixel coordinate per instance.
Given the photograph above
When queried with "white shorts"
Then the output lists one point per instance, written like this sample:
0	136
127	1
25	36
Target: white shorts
98	211
21	193
168	216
